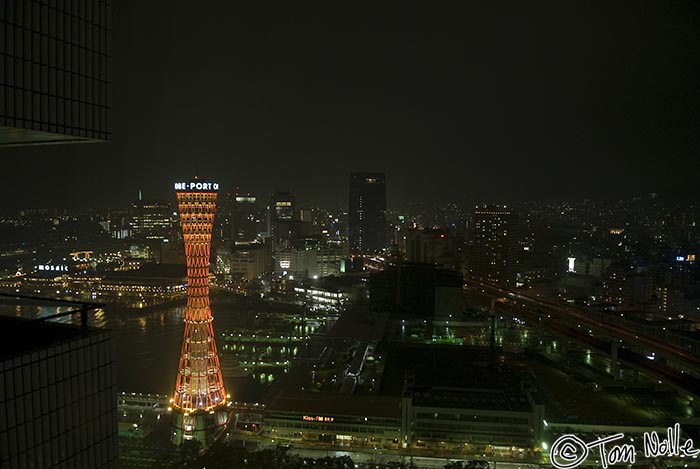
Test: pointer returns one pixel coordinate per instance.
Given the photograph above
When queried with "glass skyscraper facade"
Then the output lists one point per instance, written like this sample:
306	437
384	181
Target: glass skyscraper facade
55	61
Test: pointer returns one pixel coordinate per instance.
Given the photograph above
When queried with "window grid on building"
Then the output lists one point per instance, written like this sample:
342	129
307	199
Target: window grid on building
55	68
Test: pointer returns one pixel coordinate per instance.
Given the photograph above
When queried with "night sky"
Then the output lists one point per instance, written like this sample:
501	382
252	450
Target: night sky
491	100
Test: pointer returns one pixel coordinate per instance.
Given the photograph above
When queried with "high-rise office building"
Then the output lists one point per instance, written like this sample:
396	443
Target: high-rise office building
57	382
282	216
151	220
432	246
367	212
311	257
626	285
55	71
199	402
244	218
496	248
249	260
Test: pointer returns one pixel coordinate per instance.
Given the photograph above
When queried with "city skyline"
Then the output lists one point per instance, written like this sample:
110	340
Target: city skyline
458	236
683	195
601	101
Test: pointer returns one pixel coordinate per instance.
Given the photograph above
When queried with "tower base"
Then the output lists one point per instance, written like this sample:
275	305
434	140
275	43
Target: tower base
202	425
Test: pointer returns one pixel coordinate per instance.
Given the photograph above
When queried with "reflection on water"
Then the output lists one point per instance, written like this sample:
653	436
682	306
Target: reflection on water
147	342
45	311
148	346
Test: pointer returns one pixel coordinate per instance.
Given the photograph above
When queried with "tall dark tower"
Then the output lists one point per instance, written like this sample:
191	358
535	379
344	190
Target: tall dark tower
199	402
496	249
367	212
282	216
243	217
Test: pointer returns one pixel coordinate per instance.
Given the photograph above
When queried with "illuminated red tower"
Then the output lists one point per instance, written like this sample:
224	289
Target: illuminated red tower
199	402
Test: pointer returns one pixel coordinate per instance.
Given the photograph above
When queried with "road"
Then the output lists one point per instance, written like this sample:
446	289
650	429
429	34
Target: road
383	457
560	312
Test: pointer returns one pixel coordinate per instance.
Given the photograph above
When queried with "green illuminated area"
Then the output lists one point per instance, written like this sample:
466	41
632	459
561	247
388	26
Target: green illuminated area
371	375
330	377
266	353
578	383
510	335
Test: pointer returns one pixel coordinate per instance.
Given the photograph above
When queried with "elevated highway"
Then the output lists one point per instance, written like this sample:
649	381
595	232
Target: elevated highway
554	315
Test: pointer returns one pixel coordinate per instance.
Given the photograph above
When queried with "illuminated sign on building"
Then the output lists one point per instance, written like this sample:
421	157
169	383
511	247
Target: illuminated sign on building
285	264
572	263
196	186
317	418
52	268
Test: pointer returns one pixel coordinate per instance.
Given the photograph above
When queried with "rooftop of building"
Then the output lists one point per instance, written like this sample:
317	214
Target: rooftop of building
151	272
573	401
358	325
337	404
446	367
19	335
475	399
336	282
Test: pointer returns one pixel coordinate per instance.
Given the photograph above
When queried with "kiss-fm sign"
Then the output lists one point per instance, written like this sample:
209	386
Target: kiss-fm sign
317	418
197	186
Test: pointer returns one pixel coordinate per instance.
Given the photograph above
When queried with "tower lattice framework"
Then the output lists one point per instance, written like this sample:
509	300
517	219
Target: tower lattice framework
199	385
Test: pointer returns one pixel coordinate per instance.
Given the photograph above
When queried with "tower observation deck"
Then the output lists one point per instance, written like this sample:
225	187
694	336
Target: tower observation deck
199	400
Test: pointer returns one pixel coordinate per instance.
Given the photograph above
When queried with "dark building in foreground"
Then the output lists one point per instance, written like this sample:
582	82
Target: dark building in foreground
433	398
367	212
458	397
496	250
58	397
55	61
417	291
